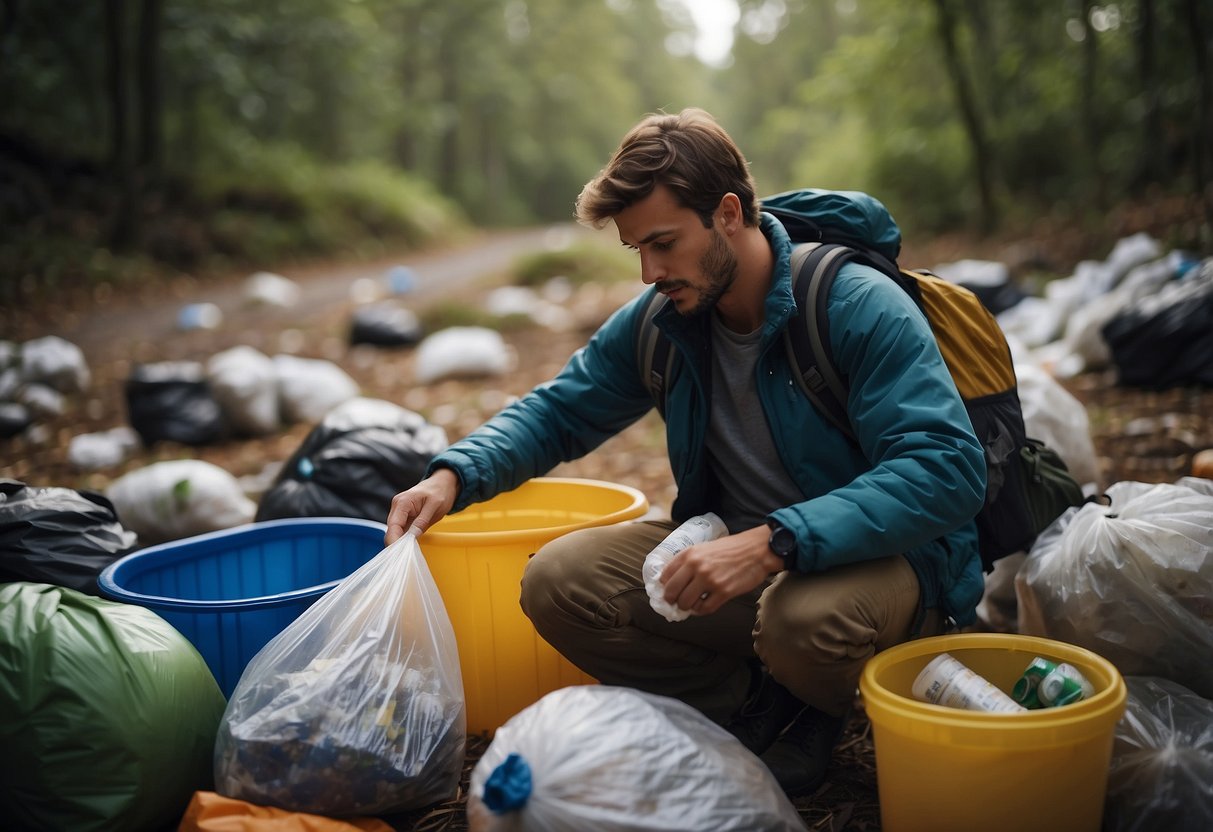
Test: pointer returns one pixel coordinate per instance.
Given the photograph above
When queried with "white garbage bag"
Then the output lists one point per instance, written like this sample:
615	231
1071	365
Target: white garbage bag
614	759
179	498
462	352
244	382
308	388
1130	581
56	363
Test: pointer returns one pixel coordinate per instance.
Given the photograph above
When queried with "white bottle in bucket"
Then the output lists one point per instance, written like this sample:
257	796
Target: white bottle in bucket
698	529
945	681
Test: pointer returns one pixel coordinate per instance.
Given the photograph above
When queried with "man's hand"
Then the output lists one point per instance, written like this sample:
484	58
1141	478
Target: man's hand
423	505
721	569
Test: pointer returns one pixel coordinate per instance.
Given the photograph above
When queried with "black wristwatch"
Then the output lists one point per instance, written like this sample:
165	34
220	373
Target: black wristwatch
783	544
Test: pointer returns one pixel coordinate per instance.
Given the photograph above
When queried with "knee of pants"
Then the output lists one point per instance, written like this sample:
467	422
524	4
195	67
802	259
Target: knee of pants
547	573
806	630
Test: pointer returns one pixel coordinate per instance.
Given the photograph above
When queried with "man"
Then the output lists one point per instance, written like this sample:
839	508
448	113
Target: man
835	551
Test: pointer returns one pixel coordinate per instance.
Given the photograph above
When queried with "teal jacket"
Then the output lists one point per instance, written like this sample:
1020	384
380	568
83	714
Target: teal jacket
913	486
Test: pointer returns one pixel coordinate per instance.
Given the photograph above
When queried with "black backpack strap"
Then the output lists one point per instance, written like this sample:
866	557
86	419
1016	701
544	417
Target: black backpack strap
654	352
807	339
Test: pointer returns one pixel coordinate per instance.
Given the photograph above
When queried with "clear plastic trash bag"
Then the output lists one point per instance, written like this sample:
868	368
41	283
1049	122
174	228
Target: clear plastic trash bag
613	759
1161	775
357	707
1131	581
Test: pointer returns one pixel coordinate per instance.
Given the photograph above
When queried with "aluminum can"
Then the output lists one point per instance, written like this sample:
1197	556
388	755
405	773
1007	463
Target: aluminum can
1046	684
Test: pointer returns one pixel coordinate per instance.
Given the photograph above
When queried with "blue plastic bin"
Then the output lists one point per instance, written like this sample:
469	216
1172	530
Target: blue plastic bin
229	592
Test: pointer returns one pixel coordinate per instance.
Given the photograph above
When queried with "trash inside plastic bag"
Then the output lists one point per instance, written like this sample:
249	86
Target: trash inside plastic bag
463	352
308	388
103	449
614	759
1161	773
58	536
1054	416
245	383
1167	339
385	325
1130	581
179	498
270	289
357	707
354	462
55	362
172	400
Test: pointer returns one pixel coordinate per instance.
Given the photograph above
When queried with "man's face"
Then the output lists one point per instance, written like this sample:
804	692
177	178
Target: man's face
691	265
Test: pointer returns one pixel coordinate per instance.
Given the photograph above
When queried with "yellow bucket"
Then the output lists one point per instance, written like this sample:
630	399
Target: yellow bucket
477	556
941	768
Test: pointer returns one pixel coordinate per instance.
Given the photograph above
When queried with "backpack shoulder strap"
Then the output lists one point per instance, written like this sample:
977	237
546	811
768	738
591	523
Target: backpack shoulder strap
654	353
807	339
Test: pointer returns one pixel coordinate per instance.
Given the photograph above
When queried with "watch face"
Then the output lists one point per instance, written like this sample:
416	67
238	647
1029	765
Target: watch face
783	542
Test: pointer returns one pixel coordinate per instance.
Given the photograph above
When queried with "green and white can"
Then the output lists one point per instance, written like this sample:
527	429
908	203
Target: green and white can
1045	684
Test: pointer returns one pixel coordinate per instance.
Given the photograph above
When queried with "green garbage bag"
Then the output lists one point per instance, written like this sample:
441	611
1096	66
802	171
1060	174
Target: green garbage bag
108	715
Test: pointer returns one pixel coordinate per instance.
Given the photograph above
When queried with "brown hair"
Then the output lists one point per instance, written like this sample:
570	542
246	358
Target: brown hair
690	153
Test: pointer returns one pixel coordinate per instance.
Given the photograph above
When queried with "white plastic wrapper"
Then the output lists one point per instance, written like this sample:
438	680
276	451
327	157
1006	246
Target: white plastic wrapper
357	707
179	498
614	759
698	529
308	388
244	382
1161	774
463	352
1131	581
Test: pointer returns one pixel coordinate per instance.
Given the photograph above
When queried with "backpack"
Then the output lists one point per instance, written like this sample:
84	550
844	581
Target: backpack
1028	485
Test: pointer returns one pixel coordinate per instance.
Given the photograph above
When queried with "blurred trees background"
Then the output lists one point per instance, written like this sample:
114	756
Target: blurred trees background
142	134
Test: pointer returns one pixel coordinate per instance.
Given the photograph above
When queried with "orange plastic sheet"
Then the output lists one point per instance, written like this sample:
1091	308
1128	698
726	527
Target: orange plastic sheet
212	812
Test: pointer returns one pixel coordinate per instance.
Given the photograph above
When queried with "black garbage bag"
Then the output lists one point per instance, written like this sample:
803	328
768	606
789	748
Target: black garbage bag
997	298
14	418
58	536
172	400
361	455
1168	340
385	325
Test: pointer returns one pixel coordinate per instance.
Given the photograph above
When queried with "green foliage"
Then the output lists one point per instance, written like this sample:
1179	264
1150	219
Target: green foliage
450	313
579	263
293	127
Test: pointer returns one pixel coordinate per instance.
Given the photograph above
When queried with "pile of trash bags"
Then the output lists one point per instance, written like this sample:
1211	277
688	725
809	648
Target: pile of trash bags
35	376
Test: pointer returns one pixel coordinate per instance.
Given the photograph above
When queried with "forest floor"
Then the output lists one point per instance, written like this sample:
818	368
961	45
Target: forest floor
1142	435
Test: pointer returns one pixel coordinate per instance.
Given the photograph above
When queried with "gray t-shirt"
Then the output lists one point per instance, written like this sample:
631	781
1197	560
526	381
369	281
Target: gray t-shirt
752	478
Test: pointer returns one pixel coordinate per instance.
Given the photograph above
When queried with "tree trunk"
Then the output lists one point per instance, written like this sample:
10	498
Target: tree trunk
123	226
983	163
151	17
1202	159
1092	133
1152	167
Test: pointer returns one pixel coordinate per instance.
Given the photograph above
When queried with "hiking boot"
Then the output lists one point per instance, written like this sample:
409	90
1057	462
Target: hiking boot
769	710
800	757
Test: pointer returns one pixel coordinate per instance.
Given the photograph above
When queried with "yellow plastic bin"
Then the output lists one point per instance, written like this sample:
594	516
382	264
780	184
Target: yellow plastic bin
945	769
477	556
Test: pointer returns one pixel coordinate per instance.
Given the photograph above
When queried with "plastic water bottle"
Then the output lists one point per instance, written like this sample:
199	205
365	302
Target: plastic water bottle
698	529
945	681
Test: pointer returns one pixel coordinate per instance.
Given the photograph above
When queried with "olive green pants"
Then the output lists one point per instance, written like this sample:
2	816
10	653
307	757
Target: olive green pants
814	632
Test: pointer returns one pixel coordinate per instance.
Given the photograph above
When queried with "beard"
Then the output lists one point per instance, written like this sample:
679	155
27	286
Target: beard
719	267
